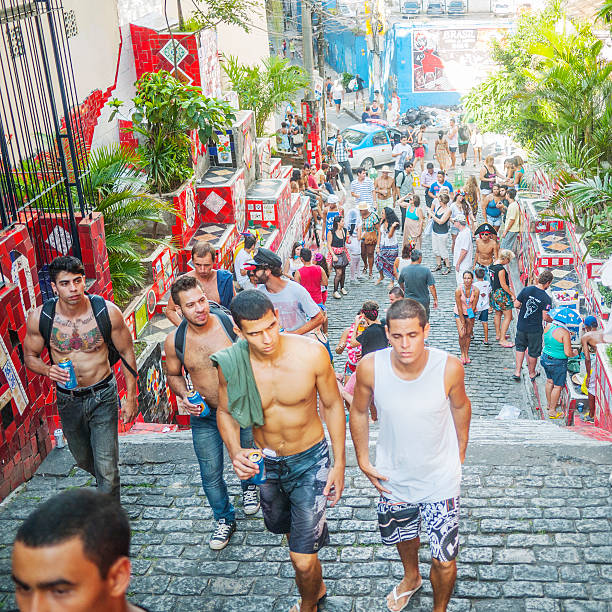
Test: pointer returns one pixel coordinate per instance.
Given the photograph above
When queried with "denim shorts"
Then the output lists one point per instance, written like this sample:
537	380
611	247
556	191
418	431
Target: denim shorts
555	369
400	522
292	497
483	315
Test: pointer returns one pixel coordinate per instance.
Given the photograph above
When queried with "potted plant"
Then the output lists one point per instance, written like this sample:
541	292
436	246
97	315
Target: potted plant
165	111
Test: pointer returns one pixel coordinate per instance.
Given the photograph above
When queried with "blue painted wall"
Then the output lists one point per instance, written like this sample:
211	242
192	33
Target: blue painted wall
347	53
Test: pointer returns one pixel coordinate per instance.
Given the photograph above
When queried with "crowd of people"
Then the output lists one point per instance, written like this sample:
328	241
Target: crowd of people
253	347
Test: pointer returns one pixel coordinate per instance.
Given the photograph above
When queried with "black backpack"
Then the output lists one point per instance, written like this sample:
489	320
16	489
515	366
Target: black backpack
100	311
181	332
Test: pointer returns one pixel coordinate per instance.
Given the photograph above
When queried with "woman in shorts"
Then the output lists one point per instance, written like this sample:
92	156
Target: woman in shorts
557	349
503	298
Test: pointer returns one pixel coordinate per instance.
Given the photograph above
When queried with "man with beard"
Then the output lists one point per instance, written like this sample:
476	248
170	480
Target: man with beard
201	333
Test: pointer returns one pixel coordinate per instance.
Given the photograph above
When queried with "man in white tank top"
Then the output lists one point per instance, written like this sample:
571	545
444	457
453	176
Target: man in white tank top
424	416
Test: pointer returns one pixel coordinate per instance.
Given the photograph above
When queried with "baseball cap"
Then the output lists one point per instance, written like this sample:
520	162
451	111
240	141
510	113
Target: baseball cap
264	258
591	321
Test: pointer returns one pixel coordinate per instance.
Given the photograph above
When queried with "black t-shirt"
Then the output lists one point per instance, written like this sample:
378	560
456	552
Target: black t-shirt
373	338
534	302
495	269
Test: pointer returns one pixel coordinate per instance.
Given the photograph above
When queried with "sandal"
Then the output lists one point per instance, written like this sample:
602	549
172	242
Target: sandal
534	376
437	268
445	271
507	344
516	378
559	415
397	596
298	605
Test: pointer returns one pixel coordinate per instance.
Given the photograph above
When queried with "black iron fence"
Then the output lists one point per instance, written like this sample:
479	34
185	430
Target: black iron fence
42	148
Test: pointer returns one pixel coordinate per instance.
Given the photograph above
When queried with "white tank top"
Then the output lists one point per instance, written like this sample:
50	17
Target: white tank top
417	443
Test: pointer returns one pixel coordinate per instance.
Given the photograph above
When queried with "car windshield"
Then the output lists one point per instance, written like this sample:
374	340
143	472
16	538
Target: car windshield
353	137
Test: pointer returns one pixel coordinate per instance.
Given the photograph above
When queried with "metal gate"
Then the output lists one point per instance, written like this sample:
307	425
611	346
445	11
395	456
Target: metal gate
42	150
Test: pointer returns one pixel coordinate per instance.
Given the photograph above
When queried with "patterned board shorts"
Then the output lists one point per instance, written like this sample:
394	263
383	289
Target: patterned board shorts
399	522
292	498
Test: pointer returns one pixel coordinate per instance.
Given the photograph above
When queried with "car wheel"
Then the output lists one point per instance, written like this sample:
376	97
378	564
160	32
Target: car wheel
367	163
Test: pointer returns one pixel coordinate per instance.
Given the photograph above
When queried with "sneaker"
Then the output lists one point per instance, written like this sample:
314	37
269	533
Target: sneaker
222	534
588	419
343	291
337	295
250	500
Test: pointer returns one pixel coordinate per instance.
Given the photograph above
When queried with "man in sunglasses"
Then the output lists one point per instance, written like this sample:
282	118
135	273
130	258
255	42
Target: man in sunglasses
487	247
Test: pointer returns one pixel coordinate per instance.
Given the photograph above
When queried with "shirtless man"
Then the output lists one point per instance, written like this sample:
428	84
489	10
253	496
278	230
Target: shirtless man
289	371
589	341
487	248
204	334
218	285
421	447
89	413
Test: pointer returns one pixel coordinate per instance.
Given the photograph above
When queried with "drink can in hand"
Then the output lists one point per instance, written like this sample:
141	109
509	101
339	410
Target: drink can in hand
66	364
257	457
196	399
60	441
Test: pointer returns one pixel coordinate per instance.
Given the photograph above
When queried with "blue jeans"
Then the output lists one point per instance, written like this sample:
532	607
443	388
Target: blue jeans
208	447
90	424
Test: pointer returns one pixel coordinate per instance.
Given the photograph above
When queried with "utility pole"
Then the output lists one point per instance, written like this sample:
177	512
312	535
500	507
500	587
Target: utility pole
307	44
376	61
320	40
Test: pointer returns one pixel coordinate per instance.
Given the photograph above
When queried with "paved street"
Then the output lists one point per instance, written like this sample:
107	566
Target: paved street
536	527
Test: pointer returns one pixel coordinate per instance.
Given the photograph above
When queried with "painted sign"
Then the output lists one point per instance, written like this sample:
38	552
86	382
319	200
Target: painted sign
452	59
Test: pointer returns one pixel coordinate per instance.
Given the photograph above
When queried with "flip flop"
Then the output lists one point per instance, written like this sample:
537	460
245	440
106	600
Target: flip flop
559	415
507	345
298	605
534	376
407	594
516	378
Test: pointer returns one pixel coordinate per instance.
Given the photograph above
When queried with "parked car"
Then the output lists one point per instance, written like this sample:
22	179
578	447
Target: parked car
434	7
410	7
502	8
456	7
370	144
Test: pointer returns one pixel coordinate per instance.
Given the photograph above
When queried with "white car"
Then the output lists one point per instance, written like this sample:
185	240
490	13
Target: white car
502	8
371	144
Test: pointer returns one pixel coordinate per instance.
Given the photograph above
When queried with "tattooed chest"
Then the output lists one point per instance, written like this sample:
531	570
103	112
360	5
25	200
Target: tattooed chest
81	334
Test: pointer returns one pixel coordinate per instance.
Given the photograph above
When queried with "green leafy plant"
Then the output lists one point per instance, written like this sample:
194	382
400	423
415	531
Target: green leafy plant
264	88
211	13
609	353
346	79
165	109
117	188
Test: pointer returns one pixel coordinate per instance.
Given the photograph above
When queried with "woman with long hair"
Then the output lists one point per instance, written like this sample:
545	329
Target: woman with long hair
294	262
420	142
337	255
472	194
387	248
503	298
488	175
442	152
461	207
466	298
439	237
404	260
414	222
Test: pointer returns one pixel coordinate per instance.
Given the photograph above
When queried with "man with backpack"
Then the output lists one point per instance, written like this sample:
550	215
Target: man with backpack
91	333
205	329
404	188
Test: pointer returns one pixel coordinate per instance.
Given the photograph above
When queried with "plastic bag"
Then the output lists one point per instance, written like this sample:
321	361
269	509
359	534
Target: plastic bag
428	228
508	413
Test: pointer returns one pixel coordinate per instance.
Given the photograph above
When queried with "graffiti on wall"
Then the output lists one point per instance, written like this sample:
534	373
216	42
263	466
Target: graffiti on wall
452	59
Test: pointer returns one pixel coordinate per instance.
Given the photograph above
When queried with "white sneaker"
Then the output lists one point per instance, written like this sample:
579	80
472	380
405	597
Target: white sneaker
250	500
337	295
222	534
343	291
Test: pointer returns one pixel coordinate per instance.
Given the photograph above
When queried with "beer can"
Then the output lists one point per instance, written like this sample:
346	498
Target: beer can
66	364
257	457
196	399
60	441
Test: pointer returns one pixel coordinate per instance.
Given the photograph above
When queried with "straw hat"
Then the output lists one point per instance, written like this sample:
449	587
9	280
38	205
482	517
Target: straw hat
363	206
385	169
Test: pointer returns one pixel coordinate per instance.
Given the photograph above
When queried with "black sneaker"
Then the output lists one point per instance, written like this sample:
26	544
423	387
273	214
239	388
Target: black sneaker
250	500
222	534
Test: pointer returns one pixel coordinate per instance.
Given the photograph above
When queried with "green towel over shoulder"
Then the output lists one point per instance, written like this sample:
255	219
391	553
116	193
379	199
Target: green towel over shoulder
244	401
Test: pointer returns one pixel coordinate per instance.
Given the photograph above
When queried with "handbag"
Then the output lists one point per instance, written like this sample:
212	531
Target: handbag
342	260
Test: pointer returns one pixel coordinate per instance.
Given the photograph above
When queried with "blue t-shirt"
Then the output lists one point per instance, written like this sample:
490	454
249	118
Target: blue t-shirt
534	302
435	188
